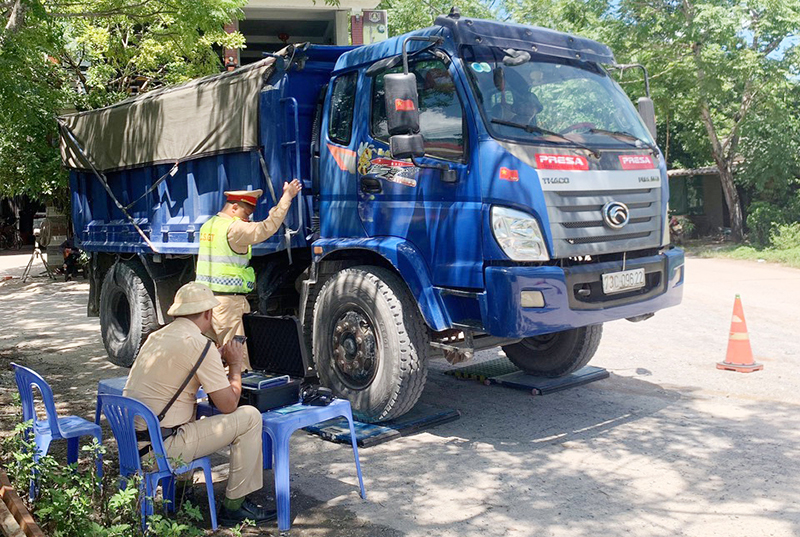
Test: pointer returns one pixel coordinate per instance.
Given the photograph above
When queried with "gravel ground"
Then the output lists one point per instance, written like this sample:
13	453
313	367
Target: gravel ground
668	445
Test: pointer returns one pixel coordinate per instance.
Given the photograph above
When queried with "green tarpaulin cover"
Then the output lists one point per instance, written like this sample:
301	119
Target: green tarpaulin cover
210	115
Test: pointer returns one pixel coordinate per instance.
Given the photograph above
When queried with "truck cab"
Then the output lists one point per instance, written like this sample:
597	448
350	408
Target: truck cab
535	211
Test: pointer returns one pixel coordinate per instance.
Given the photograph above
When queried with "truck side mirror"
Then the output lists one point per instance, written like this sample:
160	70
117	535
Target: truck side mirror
647	111
402	103
402	114
406	145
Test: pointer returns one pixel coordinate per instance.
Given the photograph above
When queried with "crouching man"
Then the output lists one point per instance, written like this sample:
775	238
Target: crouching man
167	359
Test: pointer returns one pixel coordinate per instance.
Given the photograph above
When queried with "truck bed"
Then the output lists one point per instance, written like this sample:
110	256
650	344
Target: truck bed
171	214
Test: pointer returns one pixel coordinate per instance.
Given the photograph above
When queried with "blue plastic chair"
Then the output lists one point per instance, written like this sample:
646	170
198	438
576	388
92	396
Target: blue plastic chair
116	385
69	428
278	428
120	412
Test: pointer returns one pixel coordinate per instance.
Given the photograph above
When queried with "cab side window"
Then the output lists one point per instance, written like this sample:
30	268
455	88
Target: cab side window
441	117
340	118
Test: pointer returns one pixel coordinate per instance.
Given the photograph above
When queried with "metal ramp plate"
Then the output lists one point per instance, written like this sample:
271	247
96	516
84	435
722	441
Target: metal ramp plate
502	371
483	371
420	417
544	385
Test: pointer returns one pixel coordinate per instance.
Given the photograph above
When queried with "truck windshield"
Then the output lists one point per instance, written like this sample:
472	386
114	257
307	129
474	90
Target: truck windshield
529	97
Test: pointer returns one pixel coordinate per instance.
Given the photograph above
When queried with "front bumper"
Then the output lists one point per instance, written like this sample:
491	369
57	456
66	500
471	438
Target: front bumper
565	308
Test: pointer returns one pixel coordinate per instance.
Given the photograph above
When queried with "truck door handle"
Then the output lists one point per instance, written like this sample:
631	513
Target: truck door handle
370	184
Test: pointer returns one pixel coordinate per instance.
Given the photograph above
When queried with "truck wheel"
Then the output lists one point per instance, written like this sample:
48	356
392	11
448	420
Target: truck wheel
370	342
557	354
127	312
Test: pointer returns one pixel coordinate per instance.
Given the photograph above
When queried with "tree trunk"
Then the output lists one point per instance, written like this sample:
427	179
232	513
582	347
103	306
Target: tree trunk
16	18
731	198
725	166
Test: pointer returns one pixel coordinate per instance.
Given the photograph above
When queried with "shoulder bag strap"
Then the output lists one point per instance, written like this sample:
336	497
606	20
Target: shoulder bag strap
185	382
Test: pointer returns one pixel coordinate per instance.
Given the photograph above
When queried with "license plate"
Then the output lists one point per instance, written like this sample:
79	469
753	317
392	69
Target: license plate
616	282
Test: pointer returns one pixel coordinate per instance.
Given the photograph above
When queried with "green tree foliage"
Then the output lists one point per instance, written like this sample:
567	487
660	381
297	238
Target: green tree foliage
408	15
573	16
722	74
63	55
770	164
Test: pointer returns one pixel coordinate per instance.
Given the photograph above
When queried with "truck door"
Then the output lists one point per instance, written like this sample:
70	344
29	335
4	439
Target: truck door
337	168
396	198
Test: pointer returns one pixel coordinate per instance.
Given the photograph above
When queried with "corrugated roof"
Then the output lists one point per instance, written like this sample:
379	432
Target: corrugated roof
708	170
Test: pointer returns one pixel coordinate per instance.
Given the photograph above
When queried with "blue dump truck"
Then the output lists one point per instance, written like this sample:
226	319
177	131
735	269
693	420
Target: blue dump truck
471	185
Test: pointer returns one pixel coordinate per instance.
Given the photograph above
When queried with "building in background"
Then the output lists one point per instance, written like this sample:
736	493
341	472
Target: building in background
369	27
697	194
269	25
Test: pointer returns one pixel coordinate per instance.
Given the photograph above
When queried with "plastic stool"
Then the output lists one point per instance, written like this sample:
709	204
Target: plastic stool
278	428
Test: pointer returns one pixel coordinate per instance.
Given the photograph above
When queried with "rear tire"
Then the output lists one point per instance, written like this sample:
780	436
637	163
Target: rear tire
127	312
370	342
557	354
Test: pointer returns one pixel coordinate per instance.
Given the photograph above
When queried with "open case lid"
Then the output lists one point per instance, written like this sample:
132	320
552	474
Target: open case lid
275	345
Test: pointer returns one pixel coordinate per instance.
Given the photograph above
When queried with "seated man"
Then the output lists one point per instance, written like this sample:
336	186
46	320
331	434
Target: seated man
72	257
165	361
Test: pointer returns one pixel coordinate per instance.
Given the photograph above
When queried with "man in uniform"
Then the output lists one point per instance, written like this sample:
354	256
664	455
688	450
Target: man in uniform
165	361
225	251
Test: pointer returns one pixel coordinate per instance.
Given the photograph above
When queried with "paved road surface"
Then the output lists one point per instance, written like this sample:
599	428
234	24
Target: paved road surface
667	446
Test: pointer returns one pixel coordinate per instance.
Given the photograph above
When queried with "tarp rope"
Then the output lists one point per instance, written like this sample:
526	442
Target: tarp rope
172	171
104	182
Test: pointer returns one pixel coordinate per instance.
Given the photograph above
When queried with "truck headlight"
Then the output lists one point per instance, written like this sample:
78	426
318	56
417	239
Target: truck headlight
518	234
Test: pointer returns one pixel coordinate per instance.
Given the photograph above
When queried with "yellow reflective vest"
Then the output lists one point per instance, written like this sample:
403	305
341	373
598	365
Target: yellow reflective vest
218	265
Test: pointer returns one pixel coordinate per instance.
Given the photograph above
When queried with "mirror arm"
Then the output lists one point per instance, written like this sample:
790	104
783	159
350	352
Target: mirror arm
622	67
438	40
444	168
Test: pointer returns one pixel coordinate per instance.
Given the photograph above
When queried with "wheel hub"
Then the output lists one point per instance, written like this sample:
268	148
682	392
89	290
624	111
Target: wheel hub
354	350
541	343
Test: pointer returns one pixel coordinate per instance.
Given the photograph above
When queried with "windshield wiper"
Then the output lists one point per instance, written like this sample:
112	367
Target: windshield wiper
534	129
626	136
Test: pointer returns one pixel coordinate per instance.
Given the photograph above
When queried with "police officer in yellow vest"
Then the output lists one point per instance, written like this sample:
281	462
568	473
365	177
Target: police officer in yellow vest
223	263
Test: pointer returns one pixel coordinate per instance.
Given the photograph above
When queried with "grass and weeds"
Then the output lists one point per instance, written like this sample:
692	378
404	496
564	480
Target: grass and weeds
784	248
71	501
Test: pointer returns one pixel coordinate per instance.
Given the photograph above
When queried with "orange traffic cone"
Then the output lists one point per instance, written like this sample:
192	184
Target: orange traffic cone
740	355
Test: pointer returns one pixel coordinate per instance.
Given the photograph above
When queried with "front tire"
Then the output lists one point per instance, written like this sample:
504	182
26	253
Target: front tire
370	342
127	312
557	354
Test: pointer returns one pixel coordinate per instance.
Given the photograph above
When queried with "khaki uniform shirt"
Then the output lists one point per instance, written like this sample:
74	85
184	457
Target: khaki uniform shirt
242	234
163	364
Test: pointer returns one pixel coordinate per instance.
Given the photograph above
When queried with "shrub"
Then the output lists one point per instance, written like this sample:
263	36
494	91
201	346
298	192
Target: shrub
786	237
72	503
762	219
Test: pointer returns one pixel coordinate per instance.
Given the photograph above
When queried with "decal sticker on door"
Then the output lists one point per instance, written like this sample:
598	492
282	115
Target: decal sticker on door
379	162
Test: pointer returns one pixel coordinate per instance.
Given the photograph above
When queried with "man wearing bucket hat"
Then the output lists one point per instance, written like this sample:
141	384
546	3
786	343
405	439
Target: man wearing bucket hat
172	365
223	261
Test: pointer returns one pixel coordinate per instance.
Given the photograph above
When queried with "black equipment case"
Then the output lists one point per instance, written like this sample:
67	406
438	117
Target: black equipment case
276	348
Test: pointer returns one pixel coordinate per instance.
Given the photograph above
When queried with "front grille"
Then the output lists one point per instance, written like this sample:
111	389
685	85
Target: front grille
623	237
598	223
577	227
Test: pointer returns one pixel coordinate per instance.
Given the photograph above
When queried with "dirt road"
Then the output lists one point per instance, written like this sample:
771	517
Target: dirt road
667	446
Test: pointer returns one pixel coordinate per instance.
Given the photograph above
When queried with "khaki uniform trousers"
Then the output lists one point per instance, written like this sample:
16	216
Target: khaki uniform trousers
227	321
241	429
